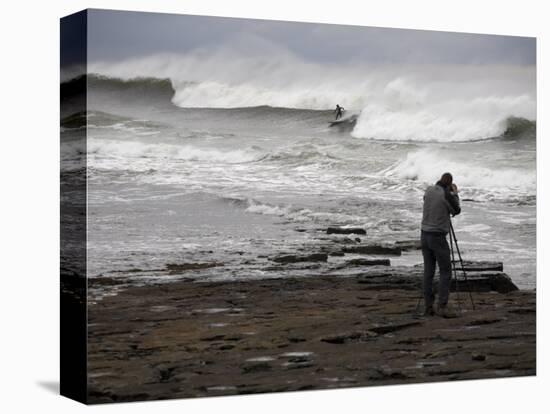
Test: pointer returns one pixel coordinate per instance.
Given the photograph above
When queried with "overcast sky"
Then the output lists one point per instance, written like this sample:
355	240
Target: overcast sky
120	35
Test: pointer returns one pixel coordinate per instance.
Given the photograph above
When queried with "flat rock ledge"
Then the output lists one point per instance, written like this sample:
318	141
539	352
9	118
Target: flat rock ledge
373	249
479	278
291	258
346	230
192	339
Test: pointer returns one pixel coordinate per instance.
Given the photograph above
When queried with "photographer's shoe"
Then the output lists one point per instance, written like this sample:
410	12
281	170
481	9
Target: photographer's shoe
446	313
429	311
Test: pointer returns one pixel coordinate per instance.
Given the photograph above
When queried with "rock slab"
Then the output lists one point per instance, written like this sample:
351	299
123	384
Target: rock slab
197	339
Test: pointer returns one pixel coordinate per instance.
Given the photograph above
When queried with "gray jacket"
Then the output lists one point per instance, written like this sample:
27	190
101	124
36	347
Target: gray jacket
439	203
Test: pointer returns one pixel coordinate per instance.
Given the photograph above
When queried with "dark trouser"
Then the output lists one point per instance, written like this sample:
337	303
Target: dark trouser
436	249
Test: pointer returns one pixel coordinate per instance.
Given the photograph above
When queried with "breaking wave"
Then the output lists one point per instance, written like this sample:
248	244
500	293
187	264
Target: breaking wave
456	120
131	150
441	103
293	213
423	166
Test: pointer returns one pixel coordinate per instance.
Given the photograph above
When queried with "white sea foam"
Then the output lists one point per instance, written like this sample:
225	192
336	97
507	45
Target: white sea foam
425	165
399	102
300	215
449	120
478	228
125	127
134	149
288	211
267	209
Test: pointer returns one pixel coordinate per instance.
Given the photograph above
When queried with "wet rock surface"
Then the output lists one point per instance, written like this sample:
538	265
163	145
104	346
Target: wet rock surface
193	339
346	230
316	257
177	268
406	245
373	249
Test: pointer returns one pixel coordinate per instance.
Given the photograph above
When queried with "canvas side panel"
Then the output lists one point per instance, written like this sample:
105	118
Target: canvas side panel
73	308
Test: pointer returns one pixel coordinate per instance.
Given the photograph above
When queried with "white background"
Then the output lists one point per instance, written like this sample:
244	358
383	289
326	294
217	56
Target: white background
29	330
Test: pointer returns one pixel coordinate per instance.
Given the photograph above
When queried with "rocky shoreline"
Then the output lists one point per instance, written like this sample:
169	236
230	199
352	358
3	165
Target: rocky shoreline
195	339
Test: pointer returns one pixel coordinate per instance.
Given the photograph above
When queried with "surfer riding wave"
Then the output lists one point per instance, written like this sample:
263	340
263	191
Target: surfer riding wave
339	111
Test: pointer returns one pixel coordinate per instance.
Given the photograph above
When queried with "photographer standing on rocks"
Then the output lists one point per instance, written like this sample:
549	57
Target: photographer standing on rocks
440	201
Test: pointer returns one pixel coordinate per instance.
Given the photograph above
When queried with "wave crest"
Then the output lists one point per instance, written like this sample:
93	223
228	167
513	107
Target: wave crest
456	120
401	102
426	165
131	150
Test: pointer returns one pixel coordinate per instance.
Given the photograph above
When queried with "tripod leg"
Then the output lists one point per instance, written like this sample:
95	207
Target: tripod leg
453	271
462	265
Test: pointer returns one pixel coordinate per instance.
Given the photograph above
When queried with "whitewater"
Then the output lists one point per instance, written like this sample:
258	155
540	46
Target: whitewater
233	159
408	102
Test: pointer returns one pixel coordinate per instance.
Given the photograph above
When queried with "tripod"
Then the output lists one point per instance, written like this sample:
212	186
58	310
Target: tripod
452	236
454	270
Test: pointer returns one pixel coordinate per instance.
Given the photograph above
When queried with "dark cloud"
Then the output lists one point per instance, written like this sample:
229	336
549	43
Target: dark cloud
119	35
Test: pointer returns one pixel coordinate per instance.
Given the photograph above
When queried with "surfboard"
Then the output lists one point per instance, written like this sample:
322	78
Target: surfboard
340	121
349	120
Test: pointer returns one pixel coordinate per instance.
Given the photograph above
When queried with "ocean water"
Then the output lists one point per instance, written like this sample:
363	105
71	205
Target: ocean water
183	169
